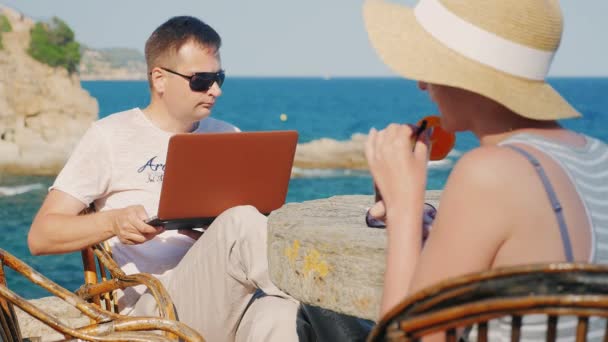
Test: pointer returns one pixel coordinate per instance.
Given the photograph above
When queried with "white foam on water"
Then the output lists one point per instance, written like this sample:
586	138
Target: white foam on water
18	189
444	164
454	153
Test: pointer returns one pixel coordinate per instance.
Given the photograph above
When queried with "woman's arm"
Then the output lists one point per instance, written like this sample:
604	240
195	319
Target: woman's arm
400	176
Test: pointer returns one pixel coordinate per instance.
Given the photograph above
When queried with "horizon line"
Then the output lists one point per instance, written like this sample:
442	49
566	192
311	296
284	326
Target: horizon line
329	78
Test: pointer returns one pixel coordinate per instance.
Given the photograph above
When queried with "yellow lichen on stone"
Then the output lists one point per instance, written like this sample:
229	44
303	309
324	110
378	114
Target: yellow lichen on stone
292	252
363	303
314	263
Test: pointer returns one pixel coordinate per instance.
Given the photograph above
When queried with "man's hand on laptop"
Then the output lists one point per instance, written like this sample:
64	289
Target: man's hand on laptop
129	226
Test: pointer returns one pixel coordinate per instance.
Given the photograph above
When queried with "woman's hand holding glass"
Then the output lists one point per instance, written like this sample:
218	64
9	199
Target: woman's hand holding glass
399	173
436	140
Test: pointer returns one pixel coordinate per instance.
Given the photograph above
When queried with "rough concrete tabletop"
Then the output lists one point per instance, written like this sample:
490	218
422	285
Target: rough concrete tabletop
322	253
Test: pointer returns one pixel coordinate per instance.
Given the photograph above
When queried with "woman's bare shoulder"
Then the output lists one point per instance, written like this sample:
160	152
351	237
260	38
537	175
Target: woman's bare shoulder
496	180
489	166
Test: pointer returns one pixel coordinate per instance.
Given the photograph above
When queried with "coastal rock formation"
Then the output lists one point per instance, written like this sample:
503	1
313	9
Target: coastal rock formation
43	110
332	154
112	64
343	157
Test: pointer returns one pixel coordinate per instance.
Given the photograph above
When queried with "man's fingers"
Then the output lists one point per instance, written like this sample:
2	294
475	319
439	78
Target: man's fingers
144	228
132	238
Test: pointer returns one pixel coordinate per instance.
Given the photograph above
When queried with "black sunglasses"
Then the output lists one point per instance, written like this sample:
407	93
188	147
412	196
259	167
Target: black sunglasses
202	81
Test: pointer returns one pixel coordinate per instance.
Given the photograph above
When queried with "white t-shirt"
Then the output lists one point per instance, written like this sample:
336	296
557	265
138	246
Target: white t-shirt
118	162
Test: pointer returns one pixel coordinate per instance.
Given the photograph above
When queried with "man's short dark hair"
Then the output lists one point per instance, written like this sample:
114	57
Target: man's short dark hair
169	37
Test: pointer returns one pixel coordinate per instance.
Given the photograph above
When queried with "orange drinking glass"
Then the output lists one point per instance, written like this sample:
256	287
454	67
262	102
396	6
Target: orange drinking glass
441	141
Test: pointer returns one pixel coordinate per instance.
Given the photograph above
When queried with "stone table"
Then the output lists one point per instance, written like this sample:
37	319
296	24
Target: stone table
322	253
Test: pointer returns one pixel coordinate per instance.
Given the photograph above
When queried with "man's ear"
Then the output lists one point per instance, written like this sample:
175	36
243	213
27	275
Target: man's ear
158	80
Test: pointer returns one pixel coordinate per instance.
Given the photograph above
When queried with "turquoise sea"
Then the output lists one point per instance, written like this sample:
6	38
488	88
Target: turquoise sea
317	108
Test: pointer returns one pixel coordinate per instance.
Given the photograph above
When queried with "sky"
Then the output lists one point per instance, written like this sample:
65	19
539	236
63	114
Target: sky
295	38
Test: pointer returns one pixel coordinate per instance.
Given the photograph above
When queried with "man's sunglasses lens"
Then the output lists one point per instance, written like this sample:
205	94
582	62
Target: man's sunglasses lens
204	80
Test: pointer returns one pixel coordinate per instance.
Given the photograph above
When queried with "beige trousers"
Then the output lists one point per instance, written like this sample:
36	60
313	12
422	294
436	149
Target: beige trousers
216	279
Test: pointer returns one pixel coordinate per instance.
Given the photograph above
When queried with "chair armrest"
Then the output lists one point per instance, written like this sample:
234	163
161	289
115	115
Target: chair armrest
106	322
91	290
131	324
163	300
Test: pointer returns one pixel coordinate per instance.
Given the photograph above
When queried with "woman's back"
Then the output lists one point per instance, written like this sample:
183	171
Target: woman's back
586	169
579	175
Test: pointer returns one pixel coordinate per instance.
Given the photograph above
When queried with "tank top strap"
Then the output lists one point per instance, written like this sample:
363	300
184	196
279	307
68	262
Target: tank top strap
555	204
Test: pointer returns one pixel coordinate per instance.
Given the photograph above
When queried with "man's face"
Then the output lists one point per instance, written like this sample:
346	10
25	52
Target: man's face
183	103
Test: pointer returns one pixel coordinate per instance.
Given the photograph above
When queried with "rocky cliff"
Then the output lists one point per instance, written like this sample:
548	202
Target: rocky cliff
43	110
112	64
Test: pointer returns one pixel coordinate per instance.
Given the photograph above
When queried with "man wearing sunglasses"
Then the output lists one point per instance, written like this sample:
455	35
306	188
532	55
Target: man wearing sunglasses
218	280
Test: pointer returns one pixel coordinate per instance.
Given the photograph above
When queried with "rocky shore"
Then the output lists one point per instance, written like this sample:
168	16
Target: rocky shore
112	64
43	110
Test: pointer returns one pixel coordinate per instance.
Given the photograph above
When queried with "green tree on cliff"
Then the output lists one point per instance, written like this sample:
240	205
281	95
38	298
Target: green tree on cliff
53	44
5	26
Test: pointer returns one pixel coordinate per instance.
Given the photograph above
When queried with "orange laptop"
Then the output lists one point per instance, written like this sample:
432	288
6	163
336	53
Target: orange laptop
205	174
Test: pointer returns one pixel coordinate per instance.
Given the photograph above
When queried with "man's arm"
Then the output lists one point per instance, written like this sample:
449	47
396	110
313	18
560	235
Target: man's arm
57	228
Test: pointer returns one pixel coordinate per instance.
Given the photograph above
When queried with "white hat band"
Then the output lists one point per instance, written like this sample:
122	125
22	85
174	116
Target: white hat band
480	45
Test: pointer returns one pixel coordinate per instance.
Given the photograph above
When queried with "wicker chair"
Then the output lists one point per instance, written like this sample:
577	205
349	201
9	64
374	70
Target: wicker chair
102	277
106	326
552	290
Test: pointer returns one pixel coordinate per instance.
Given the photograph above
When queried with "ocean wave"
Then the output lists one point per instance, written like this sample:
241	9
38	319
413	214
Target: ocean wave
18	189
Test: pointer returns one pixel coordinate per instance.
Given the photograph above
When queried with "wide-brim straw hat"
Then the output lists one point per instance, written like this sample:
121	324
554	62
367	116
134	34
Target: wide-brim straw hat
501	49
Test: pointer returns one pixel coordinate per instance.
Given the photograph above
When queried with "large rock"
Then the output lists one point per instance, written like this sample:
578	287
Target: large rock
43	110
328	153
343	157
322	253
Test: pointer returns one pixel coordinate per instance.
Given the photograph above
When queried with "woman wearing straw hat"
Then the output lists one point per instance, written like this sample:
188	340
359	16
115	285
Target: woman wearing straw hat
484	64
